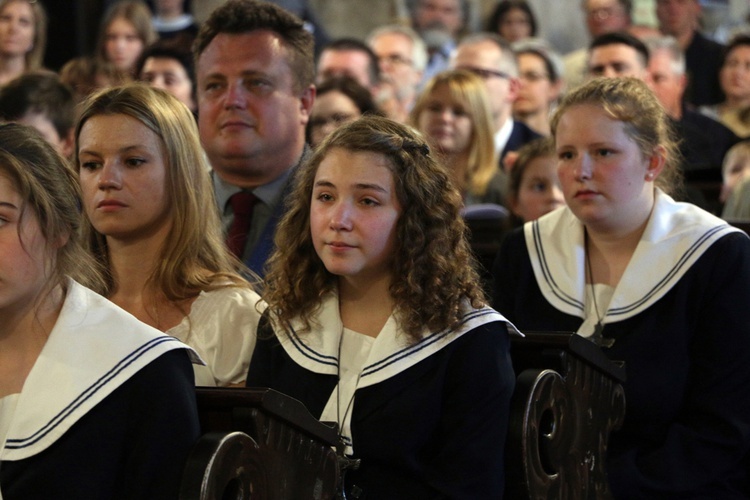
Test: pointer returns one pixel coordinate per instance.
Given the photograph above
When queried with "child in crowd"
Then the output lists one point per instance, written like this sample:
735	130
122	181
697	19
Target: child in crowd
534	188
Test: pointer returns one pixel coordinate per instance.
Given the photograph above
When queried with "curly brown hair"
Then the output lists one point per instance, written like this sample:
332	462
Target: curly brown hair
433	267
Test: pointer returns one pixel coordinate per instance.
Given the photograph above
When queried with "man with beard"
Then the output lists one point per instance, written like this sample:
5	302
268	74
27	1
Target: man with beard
439	23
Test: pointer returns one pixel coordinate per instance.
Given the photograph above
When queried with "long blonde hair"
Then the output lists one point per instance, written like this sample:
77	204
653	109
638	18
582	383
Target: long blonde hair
193	257
466	88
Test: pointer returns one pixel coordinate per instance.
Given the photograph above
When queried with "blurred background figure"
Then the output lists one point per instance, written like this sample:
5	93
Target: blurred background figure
734	77
41	100
492	59
125	30
617	54
402	56
172	21
453	114
513	20
167	66
440	23
540	75
602	16
736	167
703	140
533	186
349	57
681	19
338	100
23	37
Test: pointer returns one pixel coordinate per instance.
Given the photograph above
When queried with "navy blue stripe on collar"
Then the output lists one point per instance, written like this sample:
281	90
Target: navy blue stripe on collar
88	393
556	290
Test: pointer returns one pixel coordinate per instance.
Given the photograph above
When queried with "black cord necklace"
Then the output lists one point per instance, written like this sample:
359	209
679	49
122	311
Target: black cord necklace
598	336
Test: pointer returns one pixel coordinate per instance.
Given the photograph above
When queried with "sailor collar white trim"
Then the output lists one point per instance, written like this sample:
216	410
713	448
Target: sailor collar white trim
61	389
391	353
675	237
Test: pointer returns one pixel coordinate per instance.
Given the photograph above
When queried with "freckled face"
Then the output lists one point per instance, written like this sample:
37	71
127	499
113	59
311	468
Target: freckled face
353	215
603	174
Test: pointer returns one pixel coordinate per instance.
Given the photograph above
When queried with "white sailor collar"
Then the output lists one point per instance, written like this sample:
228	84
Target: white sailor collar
92	350
391	353
675	237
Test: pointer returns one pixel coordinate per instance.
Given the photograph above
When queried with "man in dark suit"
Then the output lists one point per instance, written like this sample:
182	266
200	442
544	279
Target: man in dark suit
255	71
680	19
490	57
704	141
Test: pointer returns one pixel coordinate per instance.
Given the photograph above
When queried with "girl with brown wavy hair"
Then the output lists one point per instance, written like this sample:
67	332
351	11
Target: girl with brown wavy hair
377	320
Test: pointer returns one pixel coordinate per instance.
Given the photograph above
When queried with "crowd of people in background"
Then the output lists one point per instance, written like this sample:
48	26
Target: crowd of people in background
286	208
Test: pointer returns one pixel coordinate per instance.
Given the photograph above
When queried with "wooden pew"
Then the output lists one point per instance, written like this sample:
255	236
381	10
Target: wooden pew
262	444
568	399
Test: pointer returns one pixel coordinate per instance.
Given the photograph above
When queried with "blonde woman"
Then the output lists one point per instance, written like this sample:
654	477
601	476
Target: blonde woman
155	229
453	112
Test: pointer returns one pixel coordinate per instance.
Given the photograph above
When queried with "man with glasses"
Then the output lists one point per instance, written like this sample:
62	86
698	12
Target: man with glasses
402	56
490	57
602	16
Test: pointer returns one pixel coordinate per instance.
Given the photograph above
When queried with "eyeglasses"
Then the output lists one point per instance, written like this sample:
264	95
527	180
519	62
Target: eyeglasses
486	74
603	13
533	77
395	59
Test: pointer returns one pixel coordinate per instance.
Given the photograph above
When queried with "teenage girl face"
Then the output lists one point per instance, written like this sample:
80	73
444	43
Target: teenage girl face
515	25
123	177
606	180
26	260
16	28
446	122
353	215
122	44
539	191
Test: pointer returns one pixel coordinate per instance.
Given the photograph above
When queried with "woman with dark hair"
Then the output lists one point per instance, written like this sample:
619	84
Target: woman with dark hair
377	321
734	78
513	20
338	100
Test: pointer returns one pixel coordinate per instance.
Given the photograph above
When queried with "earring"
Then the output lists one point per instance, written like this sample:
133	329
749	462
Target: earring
650	176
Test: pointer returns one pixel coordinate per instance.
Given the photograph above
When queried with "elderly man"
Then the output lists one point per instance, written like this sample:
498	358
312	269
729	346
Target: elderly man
402	56
440	24
680	19
704	141
490	57
255	73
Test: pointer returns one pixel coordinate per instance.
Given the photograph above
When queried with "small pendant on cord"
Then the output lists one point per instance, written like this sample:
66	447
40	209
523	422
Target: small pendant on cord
598	336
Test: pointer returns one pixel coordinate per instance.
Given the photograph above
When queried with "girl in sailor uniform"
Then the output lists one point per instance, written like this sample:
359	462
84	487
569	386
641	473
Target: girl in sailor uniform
93	403
377	321
153	227
661	285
